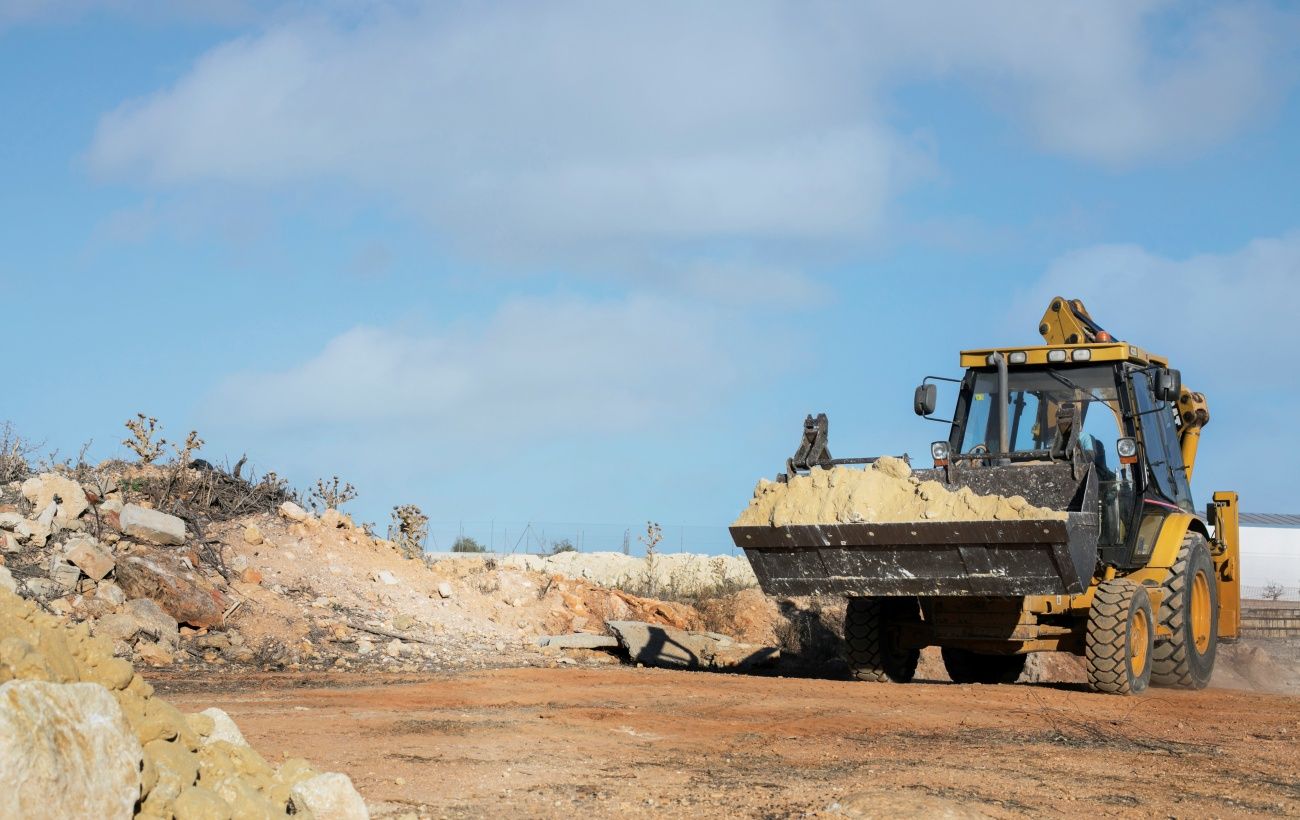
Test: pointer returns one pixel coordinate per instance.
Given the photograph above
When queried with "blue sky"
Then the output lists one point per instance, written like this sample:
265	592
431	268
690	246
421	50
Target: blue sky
583	262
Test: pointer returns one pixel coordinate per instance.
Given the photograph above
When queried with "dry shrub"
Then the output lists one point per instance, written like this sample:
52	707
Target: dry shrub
15	455
409	530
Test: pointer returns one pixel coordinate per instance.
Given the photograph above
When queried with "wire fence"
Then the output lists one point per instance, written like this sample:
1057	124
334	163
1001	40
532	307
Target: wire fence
1270	592
542	537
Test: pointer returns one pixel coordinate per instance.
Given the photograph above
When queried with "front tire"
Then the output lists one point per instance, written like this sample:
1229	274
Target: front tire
870	642
1190	610
1121	632
965	666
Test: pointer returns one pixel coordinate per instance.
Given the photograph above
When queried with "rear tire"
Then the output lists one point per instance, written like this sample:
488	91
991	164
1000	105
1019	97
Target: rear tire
1121	632
870	645
965	666
1190	610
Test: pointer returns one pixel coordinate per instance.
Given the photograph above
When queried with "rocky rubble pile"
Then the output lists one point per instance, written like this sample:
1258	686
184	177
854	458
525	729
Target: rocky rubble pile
289	589
83	735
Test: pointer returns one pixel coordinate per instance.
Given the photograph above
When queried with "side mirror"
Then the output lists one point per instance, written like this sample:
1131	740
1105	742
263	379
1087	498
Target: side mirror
925	400
1169	384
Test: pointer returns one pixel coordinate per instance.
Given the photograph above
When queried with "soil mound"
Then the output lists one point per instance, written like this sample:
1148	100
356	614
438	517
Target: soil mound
887	492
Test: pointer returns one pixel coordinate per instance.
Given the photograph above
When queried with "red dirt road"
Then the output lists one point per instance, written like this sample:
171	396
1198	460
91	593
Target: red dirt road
603	742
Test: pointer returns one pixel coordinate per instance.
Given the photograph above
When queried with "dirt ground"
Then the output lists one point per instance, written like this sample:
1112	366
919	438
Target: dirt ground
622	741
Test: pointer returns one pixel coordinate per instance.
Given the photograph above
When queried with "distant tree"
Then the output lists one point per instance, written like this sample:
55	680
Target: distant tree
467	544
1273	592
563	545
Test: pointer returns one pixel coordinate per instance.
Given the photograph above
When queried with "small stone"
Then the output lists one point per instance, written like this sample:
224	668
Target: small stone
152	654
393	648
386	578
251	576
64	574
8	542
444	589
293	512
239	563
335	520
110	593
365	646
253	535
152	619
7	580
89	557
403	622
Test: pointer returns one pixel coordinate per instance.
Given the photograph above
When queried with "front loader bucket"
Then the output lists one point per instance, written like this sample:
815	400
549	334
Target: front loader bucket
935	558
924	558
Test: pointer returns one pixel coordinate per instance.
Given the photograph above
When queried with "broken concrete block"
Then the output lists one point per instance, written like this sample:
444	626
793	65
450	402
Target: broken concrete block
657	645
151	525
90	558
580	640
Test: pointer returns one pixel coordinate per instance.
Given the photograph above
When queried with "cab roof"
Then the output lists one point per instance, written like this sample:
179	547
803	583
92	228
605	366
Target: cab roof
1064	354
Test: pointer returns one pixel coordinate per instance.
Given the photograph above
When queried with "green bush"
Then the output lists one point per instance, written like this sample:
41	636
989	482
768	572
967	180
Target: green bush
467	544
563	545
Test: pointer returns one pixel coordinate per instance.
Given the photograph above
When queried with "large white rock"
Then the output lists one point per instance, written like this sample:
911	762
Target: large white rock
331	796
151	525
223	728
66	750
7	580
51	488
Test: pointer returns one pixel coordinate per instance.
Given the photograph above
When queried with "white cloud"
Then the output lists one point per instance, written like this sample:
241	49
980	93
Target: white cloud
1226	319
538	367
535	131
222	12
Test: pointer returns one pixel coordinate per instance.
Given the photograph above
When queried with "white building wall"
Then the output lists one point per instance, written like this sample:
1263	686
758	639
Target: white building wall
1270	555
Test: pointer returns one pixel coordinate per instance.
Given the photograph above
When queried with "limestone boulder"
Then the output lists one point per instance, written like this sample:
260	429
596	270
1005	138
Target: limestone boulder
66	750
151	525
175	586
60	492
330	797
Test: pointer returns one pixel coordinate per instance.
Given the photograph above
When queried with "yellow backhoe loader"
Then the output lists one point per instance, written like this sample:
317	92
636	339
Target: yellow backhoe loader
1134	578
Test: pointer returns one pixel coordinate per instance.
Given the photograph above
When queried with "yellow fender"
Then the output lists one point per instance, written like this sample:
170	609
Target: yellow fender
1223	551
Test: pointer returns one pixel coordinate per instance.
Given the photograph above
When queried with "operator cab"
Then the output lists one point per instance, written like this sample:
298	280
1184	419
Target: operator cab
1110	407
